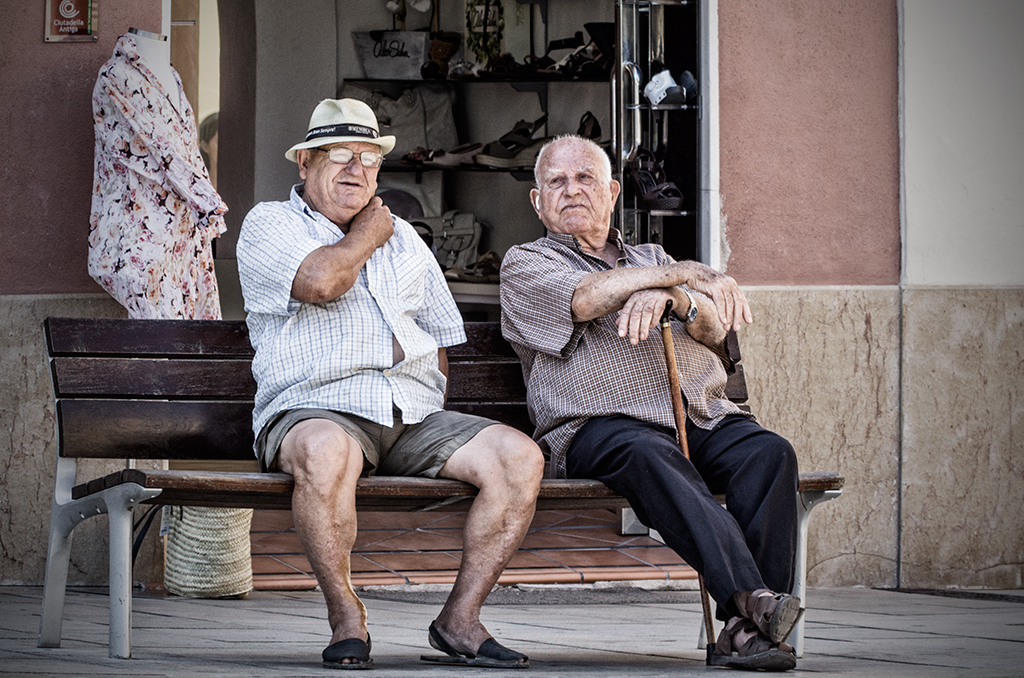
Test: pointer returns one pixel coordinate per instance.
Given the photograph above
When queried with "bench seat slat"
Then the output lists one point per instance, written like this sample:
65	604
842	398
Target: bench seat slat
377	493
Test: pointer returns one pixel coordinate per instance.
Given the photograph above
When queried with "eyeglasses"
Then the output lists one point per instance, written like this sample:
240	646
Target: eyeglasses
343	156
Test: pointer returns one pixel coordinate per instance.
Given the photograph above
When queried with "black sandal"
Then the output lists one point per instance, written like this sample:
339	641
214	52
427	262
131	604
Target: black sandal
653	191
351	648
589	128
491	654
508	150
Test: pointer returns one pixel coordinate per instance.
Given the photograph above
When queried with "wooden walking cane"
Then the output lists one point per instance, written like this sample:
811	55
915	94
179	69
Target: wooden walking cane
679	413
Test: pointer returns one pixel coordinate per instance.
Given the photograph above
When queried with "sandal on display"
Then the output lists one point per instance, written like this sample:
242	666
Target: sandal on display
546	64
486	269
514	148
505	67
662	89
524	159
653	191
741	646
491	654
418	156
353	649
589	127
460	155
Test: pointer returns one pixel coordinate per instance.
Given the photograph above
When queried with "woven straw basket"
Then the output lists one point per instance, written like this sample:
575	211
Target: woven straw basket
208	554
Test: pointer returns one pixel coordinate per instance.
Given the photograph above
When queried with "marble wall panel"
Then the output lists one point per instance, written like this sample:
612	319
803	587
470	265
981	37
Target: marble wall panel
822	366
963	437
28	454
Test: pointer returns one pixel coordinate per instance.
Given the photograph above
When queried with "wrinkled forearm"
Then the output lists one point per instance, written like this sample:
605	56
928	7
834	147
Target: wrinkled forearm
604	292
330	271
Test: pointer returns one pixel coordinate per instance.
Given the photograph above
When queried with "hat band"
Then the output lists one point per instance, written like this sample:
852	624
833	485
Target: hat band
342	131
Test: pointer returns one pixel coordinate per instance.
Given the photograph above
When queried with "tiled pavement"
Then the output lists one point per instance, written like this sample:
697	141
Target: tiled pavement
566	630
425	548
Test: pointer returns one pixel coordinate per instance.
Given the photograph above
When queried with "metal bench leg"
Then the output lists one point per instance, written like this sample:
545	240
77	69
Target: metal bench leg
57	556
63	519
120	646
808	500
118	502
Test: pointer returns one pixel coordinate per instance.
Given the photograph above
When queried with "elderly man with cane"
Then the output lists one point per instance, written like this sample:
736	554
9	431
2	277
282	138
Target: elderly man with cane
350	315
579	306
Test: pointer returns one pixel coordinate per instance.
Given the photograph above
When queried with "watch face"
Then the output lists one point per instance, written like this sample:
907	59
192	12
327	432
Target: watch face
691	315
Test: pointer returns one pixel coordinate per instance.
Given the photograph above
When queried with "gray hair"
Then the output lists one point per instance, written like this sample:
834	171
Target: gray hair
604	162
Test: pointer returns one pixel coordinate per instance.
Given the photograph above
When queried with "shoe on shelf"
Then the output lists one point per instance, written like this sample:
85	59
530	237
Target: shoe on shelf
514	148
486	269
460	155
652	188
547	64
589	127
525	158
459	69
417	156
662	89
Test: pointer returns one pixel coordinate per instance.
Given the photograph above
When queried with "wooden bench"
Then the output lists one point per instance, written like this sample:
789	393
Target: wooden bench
183	390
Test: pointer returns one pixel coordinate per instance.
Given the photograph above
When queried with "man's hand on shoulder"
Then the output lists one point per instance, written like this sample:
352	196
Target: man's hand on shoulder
373	222
330	271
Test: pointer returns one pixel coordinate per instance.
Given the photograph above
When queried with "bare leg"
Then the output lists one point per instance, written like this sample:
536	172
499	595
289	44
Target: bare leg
326	462
507	467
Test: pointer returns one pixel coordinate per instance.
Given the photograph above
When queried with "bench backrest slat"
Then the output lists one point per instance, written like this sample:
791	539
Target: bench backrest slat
183	389
154	377
156	429
98	336
486	381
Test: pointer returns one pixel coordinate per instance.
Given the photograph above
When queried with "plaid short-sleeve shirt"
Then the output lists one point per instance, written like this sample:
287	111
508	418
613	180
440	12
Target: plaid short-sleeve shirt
338	355
575	371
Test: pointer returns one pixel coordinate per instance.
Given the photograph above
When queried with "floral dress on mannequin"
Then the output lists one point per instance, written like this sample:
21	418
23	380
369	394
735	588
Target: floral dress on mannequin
154	211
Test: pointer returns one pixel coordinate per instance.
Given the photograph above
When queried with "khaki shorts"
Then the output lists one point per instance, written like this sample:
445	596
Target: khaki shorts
402	450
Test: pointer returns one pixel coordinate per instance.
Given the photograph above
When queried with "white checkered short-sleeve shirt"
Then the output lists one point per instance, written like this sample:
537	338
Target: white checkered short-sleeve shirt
338	355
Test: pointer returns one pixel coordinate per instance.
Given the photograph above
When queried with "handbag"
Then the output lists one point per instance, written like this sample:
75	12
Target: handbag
421	116
453	237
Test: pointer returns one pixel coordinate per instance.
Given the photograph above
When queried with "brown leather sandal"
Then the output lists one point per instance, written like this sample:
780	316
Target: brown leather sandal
756	653
775	614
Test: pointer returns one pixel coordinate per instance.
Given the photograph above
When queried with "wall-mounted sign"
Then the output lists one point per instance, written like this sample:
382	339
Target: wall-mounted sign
70	21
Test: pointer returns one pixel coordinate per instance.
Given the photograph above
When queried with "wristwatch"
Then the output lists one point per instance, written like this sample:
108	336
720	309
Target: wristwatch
691	313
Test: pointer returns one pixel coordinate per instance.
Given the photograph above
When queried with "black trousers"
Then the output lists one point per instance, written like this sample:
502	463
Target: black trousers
749	545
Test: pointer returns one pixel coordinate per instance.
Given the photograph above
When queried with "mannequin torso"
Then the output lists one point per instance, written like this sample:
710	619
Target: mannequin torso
156	53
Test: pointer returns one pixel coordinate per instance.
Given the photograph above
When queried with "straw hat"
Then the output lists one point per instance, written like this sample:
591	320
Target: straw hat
336	120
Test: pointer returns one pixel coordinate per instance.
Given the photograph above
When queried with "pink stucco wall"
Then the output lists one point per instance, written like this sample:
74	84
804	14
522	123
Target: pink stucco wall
46	144
809	141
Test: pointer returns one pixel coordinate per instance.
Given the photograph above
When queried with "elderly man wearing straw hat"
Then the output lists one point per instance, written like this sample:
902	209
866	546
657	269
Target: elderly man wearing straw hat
578	306
349	314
